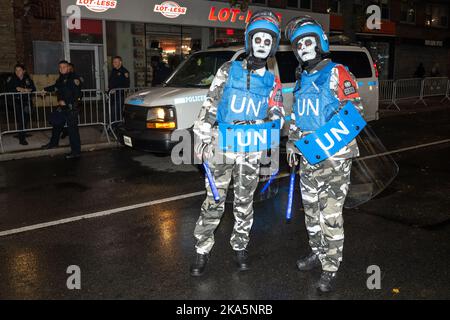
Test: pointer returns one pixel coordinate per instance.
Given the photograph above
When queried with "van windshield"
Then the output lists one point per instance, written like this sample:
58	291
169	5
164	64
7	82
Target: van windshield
199	69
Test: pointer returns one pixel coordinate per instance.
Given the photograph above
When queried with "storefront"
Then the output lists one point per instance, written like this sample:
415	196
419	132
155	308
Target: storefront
144	32
379	42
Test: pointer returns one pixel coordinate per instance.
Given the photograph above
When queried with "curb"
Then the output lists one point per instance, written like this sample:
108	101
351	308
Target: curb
57	151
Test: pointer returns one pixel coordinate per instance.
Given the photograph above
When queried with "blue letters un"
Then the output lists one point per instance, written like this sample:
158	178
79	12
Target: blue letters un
240	103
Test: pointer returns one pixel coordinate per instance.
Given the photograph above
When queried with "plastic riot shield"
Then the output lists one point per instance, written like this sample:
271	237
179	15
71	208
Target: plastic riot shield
371	172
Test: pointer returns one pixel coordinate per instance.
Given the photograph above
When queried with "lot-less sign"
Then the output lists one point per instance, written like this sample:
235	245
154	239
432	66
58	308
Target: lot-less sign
199	13
97	5
170	9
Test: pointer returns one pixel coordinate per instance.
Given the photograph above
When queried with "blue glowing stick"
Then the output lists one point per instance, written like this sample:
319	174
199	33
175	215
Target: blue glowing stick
266	186
211	182
290	195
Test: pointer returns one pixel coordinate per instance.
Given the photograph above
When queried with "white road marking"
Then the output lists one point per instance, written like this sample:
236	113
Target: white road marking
98	214
170	199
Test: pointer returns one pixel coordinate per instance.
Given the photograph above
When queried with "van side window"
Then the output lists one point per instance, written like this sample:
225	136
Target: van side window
287	63
357	62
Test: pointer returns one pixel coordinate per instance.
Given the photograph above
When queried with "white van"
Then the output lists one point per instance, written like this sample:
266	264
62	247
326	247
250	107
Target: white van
152	115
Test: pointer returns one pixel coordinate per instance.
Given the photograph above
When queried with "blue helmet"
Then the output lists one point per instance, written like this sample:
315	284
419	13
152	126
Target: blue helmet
306	26
263	21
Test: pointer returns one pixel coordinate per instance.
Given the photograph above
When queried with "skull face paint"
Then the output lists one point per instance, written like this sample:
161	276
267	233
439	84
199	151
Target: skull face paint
261	44
306	48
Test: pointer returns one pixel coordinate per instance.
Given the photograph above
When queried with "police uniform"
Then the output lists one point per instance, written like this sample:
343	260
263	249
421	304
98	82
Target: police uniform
119	79
68	89
22	103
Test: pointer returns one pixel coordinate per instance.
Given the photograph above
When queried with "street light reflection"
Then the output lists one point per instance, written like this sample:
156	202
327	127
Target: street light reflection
24	275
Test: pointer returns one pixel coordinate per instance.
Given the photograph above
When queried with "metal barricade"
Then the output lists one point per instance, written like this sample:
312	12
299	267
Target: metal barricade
386	91
24	112
408	89
433	87
116	101
447	92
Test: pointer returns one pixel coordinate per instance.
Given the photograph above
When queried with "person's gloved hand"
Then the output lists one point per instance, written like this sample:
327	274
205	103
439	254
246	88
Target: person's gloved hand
292	153
204	135
204	132
203	151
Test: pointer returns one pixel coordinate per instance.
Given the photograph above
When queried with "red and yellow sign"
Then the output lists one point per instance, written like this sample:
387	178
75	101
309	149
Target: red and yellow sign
98	5
170	9
230	15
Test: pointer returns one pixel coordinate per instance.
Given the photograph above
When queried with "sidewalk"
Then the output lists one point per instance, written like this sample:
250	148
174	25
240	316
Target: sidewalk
92	138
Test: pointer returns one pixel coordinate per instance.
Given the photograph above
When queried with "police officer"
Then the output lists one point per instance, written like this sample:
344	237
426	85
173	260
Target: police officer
68	92
23	85
235	84
64	133
322	89
119	79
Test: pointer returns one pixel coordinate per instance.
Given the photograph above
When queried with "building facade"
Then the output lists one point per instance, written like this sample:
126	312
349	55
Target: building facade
412	32
40	32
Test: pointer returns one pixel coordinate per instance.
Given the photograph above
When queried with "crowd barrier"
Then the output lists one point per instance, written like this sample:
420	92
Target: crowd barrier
393	91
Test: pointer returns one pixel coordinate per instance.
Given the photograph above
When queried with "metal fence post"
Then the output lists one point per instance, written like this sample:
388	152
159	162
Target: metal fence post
447	92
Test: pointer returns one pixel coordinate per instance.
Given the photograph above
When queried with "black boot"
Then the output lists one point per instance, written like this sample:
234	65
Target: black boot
198	267
242	260
326	281
23	141
309	262
72	156
48	146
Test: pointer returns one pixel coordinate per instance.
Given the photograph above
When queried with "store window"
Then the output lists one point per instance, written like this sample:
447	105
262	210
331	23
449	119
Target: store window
380	56
299	4
261	2
436	16
408	12
226	36
334	6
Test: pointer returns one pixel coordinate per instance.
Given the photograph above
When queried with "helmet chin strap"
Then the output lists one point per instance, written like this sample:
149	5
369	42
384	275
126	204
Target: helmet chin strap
254	63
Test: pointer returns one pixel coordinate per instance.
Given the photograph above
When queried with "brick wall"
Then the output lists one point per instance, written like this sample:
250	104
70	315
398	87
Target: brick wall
7	37
35	20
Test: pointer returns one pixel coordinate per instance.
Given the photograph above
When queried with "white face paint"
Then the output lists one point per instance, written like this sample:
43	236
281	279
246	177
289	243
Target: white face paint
261	44
306	48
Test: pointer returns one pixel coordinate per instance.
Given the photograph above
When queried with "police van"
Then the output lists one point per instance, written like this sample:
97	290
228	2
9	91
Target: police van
151	116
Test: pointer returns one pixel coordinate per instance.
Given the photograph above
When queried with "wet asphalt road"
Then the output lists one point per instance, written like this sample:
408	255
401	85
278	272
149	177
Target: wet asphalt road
145	253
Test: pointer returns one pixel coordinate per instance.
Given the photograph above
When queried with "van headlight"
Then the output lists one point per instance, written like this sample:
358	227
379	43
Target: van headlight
161	118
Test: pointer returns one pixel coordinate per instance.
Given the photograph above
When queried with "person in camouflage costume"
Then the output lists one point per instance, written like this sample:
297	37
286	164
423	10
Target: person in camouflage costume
323	186
242	167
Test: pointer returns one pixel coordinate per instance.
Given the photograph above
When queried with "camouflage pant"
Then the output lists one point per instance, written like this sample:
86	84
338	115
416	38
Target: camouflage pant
244	168
324	187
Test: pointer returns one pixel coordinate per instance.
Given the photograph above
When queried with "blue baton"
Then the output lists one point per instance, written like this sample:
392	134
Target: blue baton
266	186
290	195
211	182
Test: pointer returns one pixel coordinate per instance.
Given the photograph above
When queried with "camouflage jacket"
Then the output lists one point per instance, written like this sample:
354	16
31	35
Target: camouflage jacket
208	112
339	75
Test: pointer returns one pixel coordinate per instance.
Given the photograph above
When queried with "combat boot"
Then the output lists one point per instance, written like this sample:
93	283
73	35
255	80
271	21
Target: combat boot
242	260
326	281
309	262
198	267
